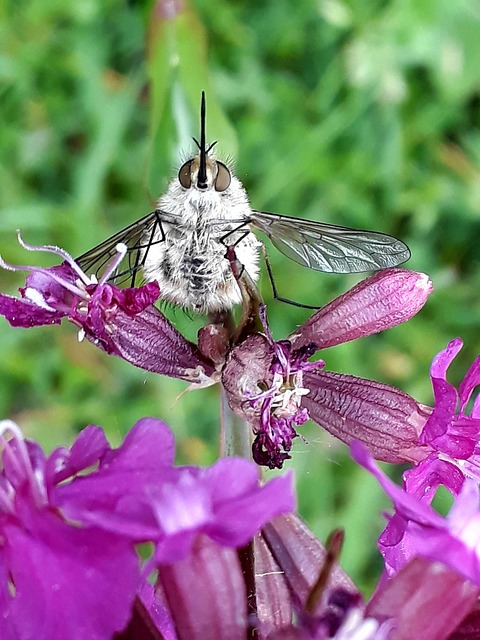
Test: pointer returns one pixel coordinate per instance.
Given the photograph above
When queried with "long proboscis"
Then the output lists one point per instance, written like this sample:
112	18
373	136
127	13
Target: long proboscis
202	171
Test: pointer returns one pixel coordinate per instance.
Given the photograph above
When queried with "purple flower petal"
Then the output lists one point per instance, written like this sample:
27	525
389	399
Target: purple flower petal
382	301
206	594
149	341
47	284
446	398
43	300
426	600
23	313
224	502
134	300
409	505
241	506
90	445
466	387
449	431
424	479
69	582
149	444
117	496
387	420
417	530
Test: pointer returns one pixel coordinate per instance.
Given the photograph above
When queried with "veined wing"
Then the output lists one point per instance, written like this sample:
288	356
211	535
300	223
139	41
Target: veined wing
330	248
138	237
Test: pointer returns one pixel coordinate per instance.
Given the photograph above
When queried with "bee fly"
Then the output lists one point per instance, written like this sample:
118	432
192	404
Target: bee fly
205	210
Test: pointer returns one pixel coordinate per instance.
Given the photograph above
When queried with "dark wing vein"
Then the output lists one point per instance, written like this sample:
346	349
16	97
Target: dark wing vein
330	248
138	237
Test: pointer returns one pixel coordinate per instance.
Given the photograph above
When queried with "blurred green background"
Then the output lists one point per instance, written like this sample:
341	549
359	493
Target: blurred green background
364	114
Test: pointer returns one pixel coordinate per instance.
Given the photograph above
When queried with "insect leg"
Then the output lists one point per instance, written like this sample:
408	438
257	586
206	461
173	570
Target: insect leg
243	235
250	321
237	267
236	262
274	286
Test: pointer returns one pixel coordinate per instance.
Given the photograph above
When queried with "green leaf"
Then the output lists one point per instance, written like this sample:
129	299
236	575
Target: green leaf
178	69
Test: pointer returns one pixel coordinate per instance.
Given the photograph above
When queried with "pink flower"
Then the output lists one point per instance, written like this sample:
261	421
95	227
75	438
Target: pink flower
269	383
451	431
273	386
122	322
416	530
69	524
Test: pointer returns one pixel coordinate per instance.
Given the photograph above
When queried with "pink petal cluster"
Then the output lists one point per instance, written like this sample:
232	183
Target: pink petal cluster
69	566
122	322
384	418
451	431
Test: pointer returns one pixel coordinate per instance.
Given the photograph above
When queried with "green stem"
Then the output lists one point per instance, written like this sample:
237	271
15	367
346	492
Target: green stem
235	433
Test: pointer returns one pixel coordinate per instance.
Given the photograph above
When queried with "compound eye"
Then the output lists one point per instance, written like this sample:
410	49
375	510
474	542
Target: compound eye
185	175
223	179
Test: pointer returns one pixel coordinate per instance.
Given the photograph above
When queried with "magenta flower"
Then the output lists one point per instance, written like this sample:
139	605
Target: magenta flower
167	505
171	506
426	600
67	533
57	579
451	432
272	385
416	530
122	322
297	578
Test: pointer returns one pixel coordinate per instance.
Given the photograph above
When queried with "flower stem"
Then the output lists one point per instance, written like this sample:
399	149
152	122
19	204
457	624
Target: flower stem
235	433
247	560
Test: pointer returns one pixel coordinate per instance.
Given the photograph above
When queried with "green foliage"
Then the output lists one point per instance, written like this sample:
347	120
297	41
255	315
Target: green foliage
361	114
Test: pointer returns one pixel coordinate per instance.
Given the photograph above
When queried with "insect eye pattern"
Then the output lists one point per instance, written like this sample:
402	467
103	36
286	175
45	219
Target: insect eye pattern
185	175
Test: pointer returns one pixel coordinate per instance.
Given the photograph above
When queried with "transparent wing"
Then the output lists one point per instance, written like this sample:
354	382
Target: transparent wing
330	248
138	237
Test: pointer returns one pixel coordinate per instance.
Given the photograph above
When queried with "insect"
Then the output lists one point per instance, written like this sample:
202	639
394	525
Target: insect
205	210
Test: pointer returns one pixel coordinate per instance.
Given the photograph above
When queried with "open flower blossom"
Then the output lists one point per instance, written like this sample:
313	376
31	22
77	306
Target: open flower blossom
57	579
69	523
450	435
274	387
271	384
416	530
450	432
122	322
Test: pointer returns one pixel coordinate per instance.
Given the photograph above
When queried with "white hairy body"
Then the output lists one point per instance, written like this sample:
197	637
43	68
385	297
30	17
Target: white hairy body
205	212
190	263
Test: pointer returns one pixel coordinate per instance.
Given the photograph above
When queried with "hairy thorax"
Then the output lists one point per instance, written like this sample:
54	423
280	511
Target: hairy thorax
190	262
